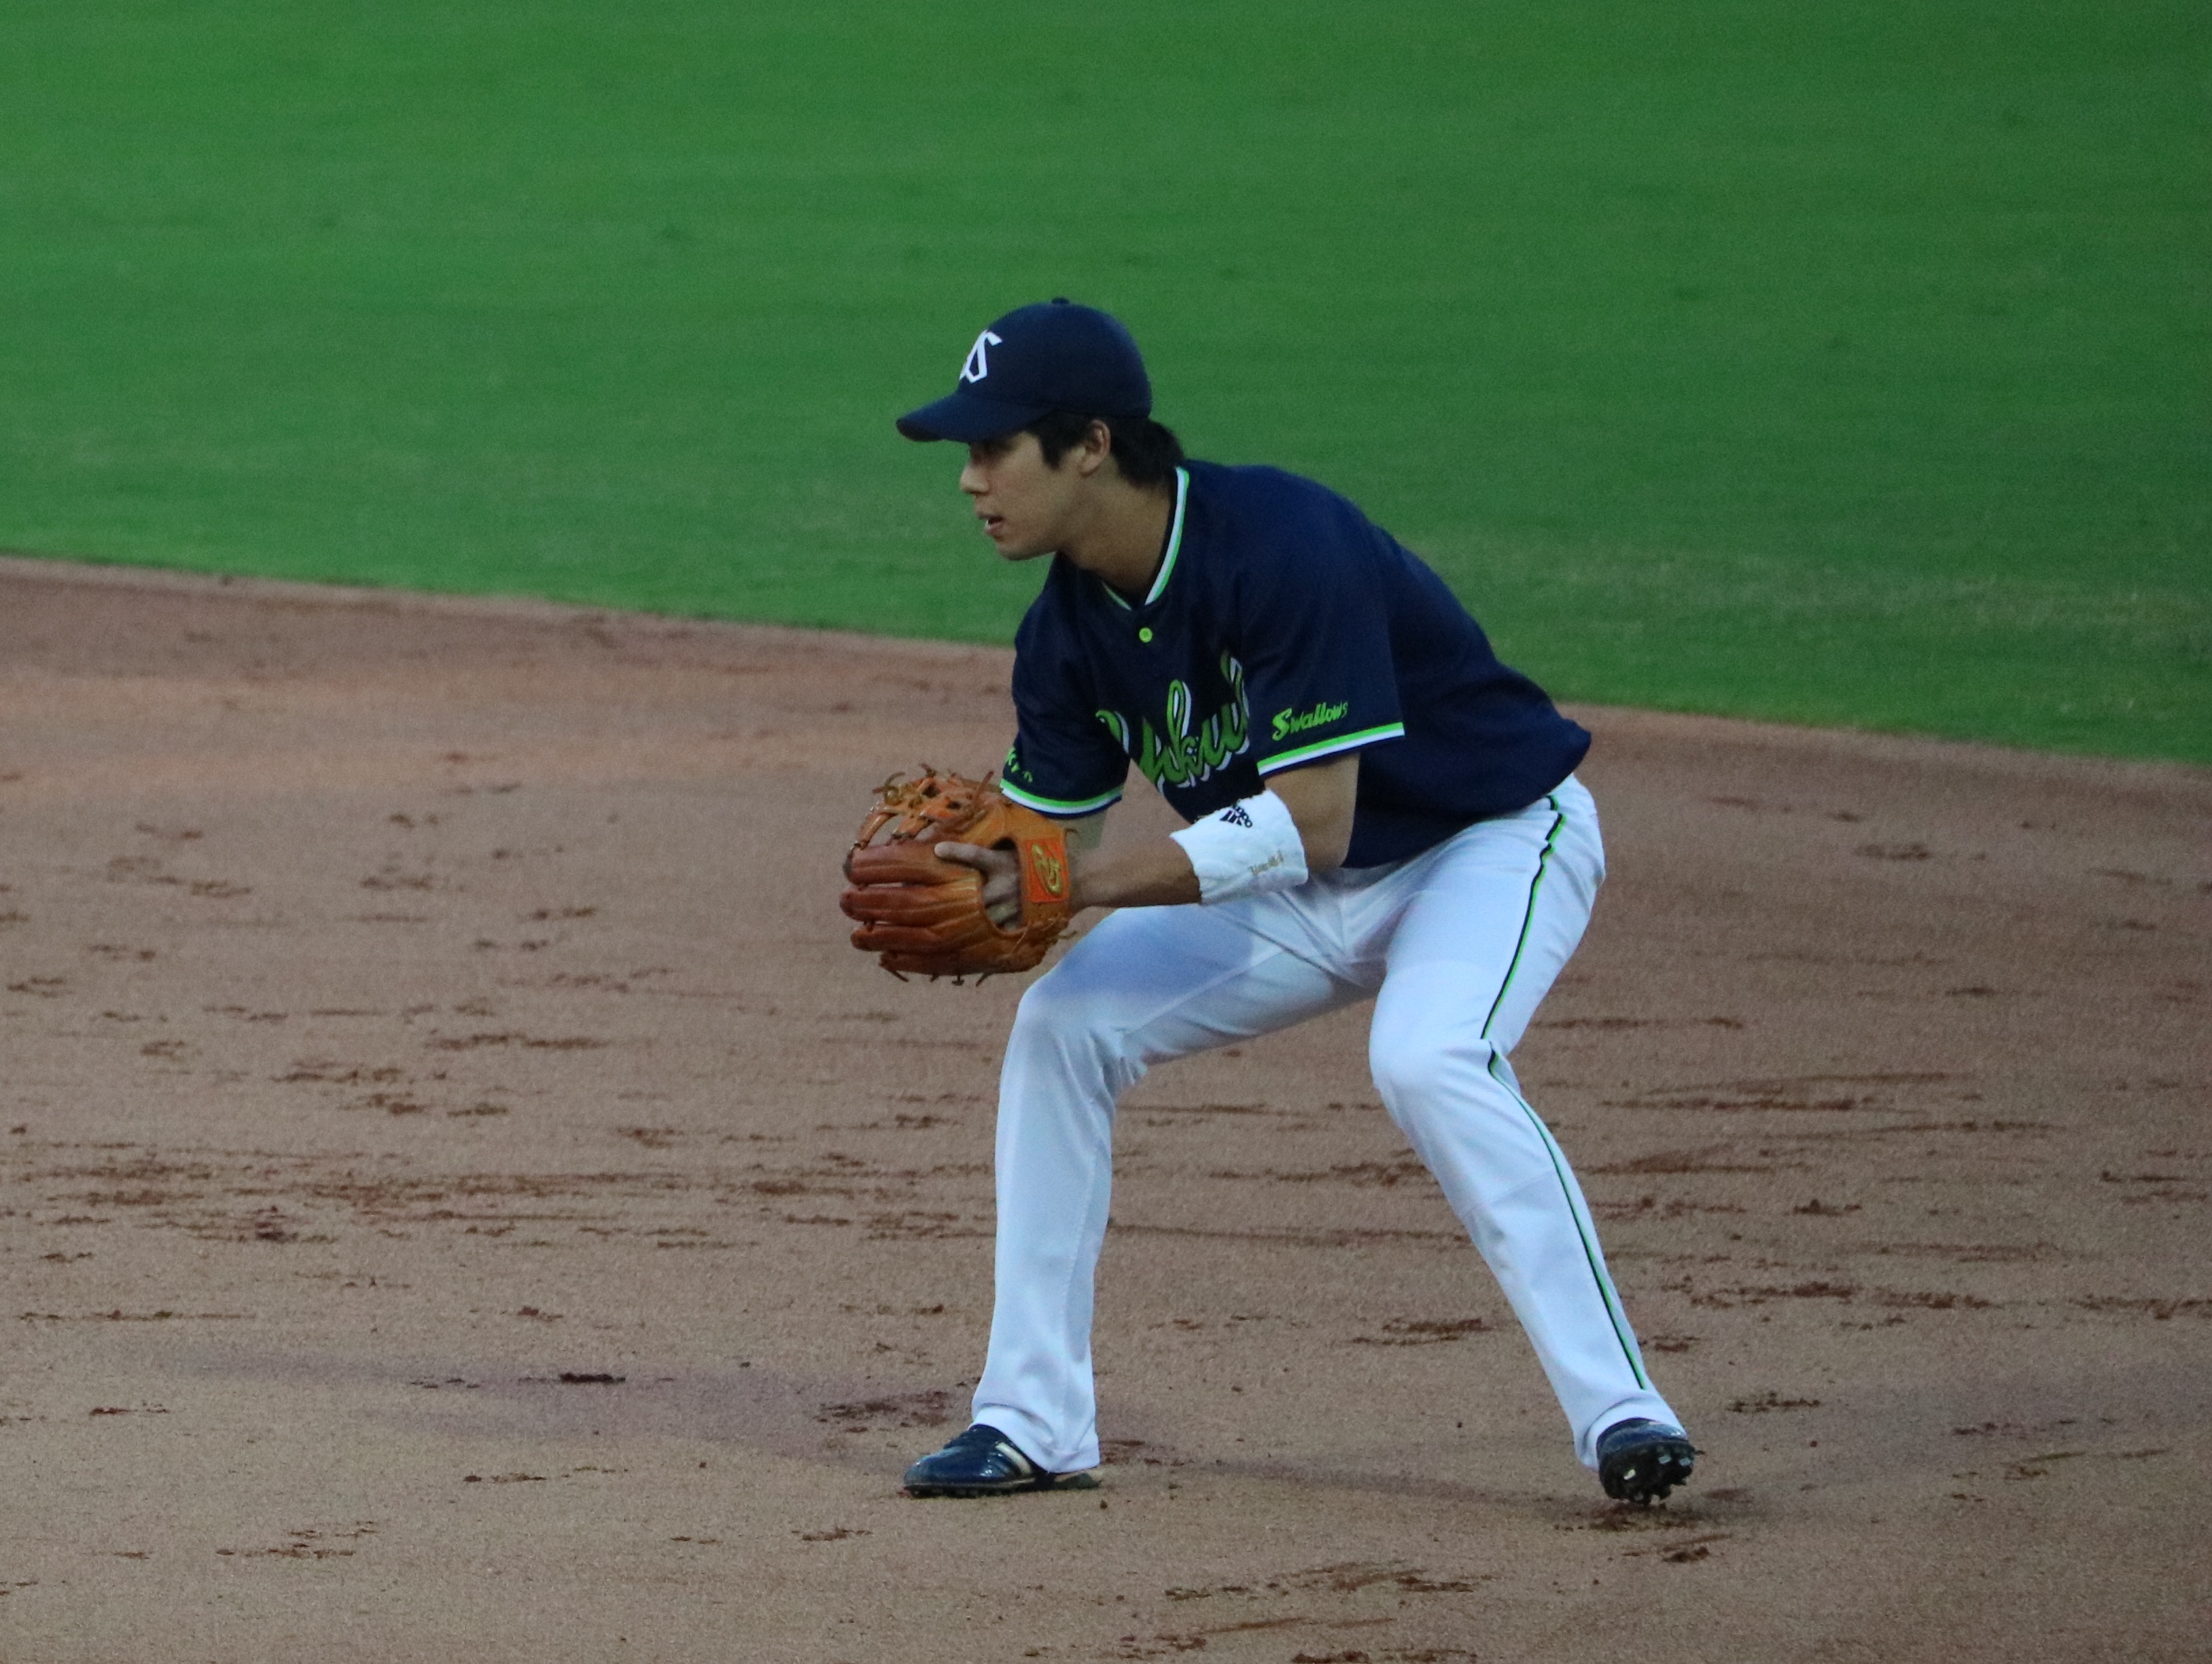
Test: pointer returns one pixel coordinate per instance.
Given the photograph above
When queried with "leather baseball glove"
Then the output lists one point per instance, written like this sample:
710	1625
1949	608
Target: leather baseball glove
925	916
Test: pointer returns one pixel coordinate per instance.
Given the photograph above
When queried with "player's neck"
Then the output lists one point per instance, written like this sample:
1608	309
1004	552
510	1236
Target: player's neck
1123	534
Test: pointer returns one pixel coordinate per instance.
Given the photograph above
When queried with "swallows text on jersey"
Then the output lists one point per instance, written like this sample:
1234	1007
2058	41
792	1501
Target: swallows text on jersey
1287	723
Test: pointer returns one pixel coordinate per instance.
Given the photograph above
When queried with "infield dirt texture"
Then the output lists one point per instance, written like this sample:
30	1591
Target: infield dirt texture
460	1197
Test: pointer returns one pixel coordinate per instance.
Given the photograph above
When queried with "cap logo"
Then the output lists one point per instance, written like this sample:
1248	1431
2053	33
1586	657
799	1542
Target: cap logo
979	361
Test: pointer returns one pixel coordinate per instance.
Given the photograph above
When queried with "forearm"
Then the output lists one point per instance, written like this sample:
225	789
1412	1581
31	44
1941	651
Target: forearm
1154	873
1158	872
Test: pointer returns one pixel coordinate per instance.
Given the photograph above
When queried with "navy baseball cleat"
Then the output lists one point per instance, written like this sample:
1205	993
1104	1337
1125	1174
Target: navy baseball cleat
984	1462
1640	1461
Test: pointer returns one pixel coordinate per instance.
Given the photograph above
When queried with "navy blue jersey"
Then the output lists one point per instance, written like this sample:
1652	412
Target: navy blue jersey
1284	626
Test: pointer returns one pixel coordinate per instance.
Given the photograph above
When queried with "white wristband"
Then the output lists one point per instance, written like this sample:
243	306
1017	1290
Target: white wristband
1247	849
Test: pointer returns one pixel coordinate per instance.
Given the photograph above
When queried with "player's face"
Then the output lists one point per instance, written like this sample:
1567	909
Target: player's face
1027	506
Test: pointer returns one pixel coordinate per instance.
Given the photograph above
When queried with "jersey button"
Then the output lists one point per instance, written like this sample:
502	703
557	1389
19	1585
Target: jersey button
1143	635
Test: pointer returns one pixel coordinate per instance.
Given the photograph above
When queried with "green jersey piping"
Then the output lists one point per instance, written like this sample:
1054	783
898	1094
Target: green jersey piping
1174	539
1167	560
1607	1294
1323	748
1054	806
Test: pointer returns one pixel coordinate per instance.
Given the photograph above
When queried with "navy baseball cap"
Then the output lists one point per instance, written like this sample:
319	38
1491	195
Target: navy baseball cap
1055	355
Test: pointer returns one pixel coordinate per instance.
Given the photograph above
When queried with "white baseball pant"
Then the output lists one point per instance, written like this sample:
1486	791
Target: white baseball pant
1457	945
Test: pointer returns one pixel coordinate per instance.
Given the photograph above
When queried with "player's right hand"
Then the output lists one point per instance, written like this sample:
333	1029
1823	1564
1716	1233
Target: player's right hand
1002	878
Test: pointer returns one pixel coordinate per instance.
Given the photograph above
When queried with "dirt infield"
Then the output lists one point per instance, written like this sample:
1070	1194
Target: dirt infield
463	1198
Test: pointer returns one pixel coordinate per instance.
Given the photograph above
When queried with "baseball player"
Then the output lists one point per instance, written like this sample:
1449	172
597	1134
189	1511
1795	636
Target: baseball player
1378	809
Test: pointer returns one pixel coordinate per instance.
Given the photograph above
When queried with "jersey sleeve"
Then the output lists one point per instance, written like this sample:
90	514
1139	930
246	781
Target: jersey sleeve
1319	671
1064	760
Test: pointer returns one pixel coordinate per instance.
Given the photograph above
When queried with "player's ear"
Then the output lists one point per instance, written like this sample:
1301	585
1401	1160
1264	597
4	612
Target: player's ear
1096	446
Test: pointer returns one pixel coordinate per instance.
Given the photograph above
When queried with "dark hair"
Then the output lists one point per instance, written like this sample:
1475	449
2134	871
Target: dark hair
1145	452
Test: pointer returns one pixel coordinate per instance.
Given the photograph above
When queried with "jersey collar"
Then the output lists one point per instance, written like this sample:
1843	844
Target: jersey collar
1175	548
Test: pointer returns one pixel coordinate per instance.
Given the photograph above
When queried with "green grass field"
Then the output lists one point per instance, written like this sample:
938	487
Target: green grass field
1839	364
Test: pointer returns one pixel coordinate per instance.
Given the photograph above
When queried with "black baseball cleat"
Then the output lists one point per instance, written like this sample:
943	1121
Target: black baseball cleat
1640	1461
984	1462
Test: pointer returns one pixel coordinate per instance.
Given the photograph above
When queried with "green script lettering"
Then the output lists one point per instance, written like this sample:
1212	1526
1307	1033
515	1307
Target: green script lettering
1188	751
1297	722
